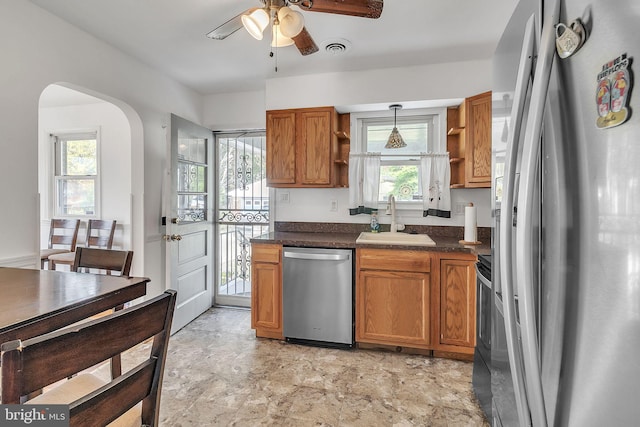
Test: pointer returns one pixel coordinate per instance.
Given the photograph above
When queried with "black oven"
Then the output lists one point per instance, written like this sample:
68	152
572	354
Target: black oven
482	355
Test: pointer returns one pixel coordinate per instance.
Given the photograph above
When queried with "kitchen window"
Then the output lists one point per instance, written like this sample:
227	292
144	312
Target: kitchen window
76	189
399	168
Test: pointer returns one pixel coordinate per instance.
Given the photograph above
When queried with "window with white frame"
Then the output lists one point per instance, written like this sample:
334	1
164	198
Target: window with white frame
399	174
76	189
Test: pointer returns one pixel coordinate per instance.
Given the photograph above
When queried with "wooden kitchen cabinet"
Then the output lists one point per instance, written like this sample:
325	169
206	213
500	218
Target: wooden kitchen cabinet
281	148
393	298
457	319
469	142
417	299
266	290
302	148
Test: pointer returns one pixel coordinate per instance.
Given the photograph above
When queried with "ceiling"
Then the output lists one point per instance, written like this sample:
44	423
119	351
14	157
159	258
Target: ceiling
169	35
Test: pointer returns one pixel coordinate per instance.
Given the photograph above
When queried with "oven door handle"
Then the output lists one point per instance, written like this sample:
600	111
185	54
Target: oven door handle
482	279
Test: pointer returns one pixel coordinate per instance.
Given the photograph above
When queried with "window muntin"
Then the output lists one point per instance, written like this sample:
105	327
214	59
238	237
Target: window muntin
192	178
76	191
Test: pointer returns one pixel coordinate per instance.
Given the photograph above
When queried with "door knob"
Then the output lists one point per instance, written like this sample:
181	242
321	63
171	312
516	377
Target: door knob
175	237
175	220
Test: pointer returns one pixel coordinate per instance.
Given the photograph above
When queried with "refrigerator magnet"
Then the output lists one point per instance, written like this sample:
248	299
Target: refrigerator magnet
612	93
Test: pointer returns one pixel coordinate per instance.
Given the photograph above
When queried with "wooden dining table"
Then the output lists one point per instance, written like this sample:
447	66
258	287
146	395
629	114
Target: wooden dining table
34	302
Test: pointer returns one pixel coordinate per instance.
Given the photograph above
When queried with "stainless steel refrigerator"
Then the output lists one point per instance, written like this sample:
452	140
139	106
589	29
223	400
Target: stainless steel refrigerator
566	236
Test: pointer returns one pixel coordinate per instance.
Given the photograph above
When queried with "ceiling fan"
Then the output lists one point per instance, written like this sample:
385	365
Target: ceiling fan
288	24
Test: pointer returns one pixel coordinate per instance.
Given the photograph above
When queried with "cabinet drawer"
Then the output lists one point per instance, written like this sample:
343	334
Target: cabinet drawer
394	260
266	253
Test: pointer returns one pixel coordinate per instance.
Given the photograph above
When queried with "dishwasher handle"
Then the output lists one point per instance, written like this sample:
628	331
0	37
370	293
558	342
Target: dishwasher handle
317	256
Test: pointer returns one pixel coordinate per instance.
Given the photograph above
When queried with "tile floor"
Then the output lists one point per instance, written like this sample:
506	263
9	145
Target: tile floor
219	374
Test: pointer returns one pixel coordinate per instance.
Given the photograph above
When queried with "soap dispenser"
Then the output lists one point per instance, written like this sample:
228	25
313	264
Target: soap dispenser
375	225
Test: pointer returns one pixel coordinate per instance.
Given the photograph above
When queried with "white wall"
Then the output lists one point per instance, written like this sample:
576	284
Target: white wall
348	90
38	49
235	111
419	86
115	166
314	205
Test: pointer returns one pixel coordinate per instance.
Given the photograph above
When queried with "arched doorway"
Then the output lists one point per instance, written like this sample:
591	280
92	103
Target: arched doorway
65	111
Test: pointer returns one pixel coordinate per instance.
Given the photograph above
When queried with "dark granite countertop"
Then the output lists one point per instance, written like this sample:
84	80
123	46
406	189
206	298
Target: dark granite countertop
343	236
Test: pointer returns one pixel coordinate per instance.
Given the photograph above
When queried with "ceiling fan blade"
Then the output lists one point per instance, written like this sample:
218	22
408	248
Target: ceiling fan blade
304	42
229	27
362	8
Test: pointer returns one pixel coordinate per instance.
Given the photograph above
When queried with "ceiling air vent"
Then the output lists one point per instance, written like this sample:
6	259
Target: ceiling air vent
337	47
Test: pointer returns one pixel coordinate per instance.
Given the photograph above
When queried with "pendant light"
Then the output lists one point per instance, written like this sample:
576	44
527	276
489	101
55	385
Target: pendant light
395	139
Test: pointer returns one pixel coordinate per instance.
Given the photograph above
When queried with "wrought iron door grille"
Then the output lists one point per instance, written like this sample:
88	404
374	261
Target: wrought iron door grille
243	209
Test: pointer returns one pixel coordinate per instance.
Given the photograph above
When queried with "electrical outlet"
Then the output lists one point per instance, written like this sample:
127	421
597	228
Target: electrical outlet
459	208
334	205
283	197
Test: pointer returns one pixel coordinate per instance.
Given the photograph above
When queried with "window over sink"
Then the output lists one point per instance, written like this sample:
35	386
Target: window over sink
423	130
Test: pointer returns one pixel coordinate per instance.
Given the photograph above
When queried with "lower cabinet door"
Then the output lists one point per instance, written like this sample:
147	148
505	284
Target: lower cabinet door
266	291
457	302
393	308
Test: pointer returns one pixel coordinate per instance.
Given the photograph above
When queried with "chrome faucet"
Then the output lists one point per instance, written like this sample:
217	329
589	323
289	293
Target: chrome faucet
392	203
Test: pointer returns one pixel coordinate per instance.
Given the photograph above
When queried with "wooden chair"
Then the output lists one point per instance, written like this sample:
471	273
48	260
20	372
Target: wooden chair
63	235
31	365
99	235
108	260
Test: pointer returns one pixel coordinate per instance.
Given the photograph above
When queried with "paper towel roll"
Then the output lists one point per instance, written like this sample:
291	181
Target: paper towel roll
470	223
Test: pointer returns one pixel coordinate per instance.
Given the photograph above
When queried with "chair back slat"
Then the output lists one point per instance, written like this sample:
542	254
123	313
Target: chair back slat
31	365
64	232
103	259
96	239
88	344
97	408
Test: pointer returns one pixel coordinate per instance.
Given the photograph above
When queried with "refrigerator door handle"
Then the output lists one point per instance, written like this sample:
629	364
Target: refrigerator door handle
524	232
510	183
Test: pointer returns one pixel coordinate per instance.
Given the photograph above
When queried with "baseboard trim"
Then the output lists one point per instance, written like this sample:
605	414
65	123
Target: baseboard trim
27	261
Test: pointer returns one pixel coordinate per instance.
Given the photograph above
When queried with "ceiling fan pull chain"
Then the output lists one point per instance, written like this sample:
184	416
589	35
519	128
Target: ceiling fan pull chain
275	29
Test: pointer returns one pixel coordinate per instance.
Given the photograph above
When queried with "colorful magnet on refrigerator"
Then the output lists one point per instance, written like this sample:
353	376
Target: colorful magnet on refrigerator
603	98
612	94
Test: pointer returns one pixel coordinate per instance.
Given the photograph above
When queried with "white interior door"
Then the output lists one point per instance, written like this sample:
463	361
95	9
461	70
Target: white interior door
189	225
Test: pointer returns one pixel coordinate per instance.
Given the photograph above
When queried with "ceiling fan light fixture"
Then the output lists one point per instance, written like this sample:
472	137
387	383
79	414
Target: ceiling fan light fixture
256	22
395	139
291	22
278	39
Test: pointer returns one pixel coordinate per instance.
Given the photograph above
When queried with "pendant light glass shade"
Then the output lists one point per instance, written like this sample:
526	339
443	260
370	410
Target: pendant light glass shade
395	139
291	22
256	22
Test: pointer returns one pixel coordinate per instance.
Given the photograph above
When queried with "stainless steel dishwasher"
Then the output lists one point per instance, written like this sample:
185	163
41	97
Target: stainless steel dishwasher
317	296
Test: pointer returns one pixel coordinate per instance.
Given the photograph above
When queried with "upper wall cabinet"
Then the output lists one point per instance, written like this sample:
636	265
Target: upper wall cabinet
469	142
303	148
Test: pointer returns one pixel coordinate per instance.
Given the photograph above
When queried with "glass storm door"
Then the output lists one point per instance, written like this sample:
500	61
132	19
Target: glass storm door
243	211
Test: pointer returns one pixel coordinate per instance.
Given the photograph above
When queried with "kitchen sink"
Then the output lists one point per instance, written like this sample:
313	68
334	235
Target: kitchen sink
388	238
